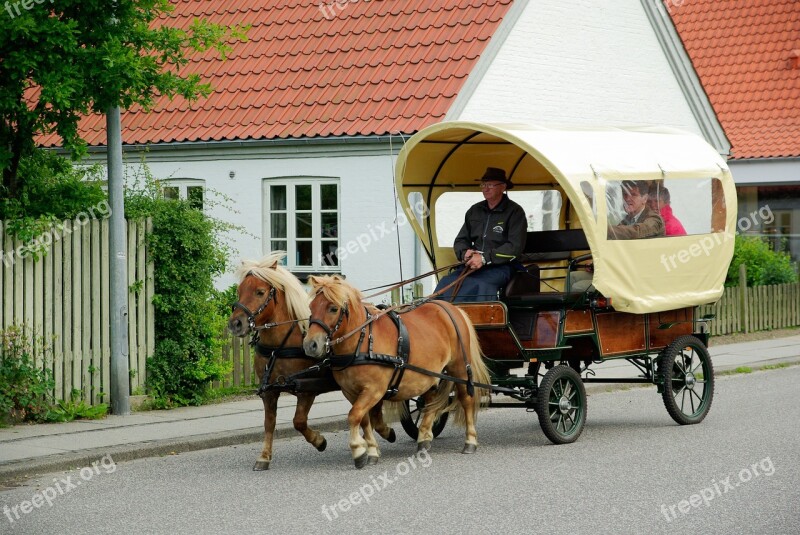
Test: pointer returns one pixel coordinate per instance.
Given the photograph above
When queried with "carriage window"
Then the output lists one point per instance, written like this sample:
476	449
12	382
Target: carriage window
542	208
189	189
664	208
303	219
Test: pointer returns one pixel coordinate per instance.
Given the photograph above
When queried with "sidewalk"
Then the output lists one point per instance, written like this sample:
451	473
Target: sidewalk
26	450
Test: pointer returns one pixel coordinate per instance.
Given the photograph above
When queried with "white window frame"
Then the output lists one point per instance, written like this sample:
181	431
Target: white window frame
183	184
291	227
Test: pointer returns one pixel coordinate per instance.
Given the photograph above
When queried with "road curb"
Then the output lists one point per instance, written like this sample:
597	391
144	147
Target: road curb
17	471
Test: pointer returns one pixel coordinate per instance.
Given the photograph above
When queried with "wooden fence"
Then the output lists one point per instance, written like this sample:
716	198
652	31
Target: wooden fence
238	352
758	308
63	299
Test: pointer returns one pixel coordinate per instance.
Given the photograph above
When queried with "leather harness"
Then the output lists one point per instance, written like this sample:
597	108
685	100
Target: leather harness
399	361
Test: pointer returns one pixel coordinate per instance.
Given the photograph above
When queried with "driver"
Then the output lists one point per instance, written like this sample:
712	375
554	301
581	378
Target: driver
493	235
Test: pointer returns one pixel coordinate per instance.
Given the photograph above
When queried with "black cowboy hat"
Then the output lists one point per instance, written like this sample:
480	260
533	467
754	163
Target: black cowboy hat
495	174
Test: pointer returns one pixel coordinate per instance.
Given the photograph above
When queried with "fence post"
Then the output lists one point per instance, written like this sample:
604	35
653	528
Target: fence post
417	291
743	298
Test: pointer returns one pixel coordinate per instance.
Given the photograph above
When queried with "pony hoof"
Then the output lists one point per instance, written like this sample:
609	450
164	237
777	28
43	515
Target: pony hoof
260	466
392	436
361	461
372	459
469	448
323	445
425	445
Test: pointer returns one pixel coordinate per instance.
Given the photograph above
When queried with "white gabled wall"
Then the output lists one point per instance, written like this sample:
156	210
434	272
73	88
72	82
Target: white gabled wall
367	207
579	62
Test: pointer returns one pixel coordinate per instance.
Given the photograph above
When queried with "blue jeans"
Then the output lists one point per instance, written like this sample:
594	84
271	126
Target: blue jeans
482	285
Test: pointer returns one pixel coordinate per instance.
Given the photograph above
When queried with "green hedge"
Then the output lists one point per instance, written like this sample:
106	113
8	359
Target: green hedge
188	254
764	265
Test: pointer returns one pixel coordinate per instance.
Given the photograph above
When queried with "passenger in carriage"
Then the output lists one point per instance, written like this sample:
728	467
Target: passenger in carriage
659	201
493	235
640	221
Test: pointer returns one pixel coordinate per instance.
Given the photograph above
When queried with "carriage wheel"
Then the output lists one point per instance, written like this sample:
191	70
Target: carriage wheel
413	414
561	405
685	366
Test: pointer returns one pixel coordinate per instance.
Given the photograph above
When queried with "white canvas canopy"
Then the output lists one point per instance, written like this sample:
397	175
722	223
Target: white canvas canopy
587	165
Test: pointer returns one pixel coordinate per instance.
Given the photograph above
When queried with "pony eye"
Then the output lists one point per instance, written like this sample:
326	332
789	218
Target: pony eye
333	309
260	292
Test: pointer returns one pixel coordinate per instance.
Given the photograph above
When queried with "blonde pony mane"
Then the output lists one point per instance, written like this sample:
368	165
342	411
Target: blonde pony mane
269	270
335	289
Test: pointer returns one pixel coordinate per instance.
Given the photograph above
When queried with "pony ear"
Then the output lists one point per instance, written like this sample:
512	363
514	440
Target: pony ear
274	265
313	281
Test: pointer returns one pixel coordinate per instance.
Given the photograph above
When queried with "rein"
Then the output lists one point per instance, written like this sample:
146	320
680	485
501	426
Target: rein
393	286
330	343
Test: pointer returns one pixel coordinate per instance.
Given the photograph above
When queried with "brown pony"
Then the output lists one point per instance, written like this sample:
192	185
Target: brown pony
268	293
442	339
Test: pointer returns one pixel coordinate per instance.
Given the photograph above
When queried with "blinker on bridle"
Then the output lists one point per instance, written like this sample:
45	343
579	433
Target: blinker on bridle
343	312
251	316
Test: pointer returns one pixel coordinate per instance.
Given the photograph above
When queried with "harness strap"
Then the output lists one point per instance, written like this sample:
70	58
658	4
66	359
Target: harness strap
470	388
403	351
358	359
274	354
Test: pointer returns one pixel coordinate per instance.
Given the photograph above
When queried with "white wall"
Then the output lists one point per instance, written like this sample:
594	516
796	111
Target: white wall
367	208
595	62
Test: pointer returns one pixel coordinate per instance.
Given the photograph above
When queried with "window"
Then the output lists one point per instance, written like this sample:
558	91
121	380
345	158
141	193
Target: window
190	189
542	208
670	207
302	218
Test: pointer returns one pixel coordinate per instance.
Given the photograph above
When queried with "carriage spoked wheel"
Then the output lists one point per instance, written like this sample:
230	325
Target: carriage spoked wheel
413	415
561	405
685	366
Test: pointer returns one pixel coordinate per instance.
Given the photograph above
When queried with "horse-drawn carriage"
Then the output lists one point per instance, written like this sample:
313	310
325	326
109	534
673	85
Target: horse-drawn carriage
585	295
584	292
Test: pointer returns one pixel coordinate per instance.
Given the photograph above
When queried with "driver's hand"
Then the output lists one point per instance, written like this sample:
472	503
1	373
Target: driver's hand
475	262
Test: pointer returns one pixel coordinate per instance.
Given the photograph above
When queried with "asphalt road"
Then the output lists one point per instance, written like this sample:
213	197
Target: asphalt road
632	471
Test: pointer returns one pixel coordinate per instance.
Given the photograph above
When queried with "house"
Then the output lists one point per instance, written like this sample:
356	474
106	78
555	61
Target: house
747	55
306	117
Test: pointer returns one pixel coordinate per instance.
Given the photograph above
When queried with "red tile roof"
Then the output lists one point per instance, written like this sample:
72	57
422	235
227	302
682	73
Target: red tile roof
370	67
743	53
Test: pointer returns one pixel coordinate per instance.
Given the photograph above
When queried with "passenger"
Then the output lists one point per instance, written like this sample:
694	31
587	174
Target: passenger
640	221
493	235
660	202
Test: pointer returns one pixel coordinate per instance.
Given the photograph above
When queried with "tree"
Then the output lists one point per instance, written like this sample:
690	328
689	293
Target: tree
63	59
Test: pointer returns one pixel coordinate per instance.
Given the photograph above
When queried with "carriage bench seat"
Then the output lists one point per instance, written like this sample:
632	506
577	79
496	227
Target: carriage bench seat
524	288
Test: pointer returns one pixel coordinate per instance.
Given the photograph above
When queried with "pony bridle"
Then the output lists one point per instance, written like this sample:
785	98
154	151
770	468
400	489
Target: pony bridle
330	330
251	316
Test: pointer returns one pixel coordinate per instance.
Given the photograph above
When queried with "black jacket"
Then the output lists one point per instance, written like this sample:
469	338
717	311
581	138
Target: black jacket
499	233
